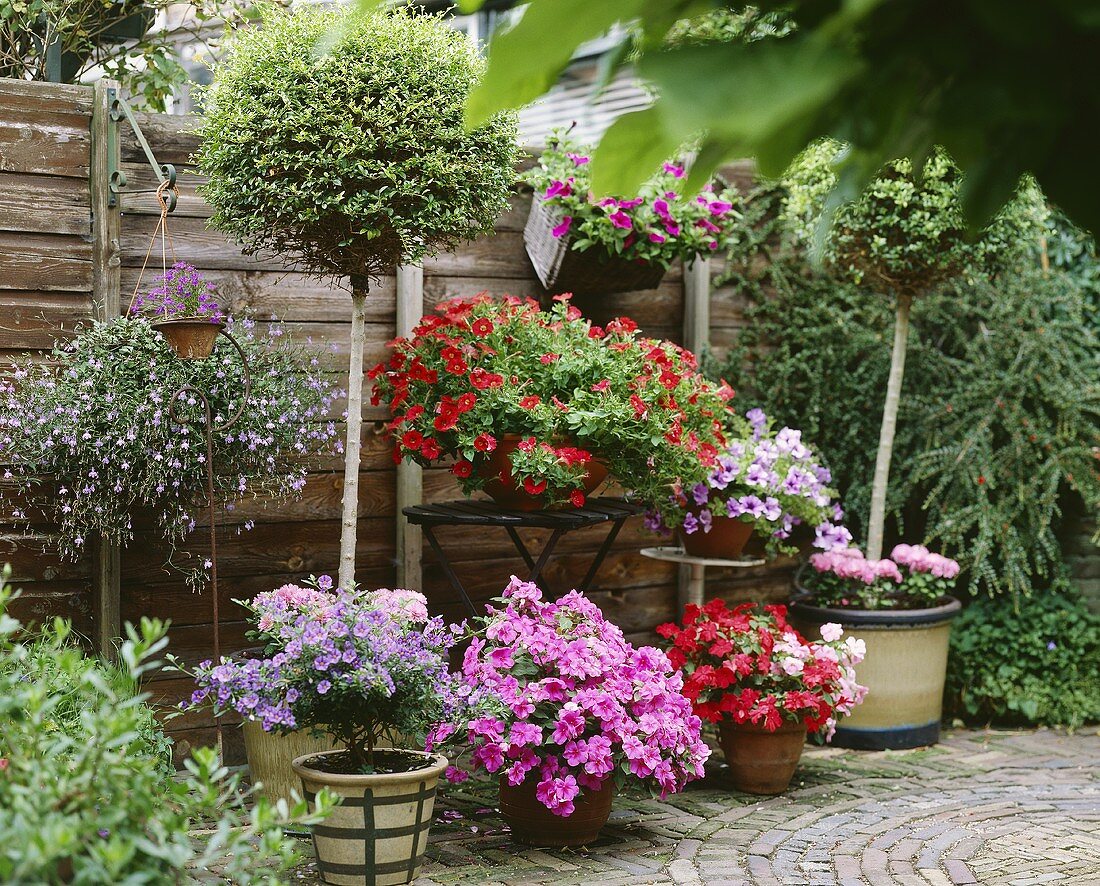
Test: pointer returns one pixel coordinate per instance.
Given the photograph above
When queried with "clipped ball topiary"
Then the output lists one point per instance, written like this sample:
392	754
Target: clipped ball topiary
337	141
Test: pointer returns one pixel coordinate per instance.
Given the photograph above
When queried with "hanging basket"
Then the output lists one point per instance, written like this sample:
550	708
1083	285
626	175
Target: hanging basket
594	271
192	338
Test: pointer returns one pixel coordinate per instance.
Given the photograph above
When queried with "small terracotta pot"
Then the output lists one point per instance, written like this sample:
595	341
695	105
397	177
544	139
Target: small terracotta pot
378	833
531	822
503	488
761	762
725	541
192	338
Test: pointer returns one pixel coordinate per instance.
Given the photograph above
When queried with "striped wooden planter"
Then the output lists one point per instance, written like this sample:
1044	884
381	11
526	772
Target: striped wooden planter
378	833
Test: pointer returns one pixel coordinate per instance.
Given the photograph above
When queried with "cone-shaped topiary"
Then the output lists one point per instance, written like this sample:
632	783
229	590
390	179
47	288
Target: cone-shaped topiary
337	141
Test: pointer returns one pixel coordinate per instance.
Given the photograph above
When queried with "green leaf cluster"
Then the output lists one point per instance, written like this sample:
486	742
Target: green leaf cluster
337	141
1035	662
86	793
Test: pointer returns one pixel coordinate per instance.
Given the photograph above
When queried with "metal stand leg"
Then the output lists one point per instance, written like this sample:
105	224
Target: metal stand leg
429	534
601	554
520	546
551	543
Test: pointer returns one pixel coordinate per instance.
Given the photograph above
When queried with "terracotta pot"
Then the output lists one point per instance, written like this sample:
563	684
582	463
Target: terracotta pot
270	756
502	487
378	834
725	541
761	762
192	338
904	670
531	822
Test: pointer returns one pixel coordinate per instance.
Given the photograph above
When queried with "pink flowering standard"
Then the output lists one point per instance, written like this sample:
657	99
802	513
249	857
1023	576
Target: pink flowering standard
911	578
565	700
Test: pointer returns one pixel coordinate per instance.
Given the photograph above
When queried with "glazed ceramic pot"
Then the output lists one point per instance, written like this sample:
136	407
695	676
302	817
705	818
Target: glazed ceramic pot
904	670
531	822
192	338
378	833
503	488
761	762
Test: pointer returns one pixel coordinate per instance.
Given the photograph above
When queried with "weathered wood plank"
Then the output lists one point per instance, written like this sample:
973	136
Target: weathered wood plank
193	243
33	557
38	320
46	262
23	95
44	204
43	142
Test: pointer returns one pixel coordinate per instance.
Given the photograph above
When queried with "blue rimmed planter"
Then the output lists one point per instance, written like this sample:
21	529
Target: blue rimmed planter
378	833
904	670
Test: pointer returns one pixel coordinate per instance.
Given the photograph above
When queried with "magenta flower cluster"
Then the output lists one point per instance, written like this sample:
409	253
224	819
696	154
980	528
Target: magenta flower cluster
568	702
911	576
659	224
181	292
350	663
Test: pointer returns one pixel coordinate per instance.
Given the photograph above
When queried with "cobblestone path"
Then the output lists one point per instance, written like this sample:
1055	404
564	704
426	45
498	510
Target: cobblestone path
1014	808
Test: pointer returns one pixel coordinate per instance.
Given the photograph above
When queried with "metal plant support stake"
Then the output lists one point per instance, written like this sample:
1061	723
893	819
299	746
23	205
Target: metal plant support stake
209	428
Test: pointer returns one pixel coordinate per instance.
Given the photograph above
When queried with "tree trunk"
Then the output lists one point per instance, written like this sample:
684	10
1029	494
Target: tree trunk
355	427
889	425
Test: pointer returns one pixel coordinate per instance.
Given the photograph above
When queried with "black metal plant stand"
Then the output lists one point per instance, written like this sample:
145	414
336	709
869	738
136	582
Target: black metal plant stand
209	428
478	513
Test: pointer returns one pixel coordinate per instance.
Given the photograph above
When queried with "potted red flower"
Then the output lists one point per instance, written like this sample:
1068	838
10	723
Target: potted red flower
764	684
537	407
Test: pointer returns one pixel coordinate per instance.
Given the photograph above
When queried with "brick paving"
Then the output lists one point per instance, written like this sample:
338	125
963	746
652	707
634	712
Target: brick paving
1013	808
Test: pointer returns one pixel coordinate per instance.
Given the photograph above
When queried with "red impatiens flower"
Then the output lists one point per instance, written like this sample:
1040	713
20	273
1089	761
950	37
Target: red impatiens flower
529	402
482	326
462	468
485	442
533	488
576	498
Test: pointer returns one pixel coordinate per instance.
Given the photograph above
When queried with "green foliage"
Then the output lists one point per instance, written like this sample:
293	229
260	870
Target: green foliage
726	25
1033	662
997	423
350	156
894	78
85	795
95	419
121	39
1073	251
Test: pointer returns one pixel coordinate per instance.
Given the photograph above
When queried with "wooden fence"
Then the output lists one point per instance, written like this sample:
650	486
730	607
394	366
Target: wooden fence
64	259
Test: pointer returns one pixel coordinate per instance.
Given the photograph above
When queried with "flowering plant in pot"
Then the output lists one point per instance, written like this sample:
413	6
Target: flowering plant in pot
580	244
902	608
352	665
540	405
766	482
565	710
751	672
183	308
94	417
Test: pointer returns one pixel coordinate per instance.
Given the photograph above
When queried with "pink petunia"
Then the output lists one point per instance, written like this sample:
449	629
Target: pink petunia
561	229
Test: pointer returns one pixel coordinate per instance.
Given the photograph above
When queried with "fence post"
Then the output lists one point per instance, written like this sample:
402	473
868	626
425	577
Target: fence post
106	302
691	579
410	477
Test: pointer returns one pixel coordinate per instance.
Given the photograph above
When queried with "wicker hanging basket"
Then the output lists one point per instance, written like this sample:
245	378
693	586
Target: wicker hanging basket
594	271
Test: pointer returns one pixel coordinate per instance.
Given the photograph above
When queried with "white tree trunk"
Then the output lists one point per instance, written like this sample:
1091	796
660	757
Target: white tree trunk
351	446
889	425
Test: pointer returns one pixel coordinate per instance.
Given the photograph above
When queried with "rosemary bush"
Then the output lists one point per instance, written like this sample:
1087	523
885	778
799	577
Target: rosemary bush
94	419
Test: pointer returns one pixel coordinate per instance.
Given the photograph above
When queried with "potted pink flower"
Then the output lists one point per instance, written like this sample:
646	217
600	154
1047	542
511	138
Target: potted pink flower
581	244
565	710
902	608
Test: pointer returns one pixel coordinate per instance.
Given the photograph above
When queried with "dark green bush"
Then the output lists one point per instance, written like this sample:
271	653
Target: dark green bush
1032	661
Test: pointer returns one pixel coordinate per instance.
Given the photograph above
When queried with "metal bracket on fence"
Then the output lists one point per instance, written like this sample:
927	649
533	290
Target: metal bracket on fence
165	172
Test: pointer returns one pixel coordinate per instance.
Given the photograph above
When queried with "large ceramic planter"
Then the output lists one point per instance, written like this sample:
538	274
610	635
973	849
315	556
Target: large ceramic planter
725	541
560	268
378	833
904	670
192	338
761	762
503	488
270	756
531	822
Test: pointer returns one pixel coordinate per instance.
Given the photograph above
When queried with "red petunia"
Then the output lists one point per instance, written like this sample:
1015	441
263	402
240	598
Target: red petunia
483	380
446	420
412	439
482	327
547	359
485	442
466	402
533	488
462	469
430	449
576	498
602	385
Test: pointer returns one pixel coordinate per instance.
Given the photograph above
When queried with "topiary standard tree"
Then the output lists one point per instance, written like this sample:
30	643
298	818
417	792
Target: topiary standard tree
904	236
347	155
